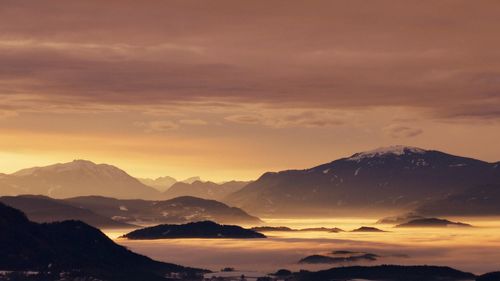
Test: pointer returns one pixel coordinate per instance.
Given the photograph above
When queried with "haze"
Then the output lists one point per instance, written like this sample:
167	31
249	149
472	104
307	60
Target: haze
226	89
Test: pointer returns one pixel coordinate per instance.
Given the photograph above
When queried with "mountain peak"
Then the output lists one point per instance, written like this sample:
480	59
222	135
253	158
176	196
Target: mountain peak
397	150
77	164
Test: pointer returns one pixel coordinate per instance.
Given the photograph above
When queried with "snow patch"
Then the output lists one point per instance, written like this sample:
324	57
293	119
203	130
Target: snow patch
457	165
397	150
421	163
123	208
357	171
326	171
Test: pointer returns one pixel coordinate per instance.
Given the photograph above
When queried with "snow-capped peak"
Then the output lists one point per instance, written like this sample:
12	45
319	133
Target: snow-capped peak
397	150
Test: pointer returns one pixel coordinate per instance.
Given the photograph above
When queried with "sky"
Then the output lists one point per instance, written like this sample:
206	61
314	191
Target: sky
232	89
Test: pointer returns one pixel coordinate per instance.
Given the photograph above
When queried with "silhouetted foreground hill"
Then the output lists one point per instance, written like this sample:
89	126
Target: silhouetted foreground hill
492	276
72	247
204	229
387	273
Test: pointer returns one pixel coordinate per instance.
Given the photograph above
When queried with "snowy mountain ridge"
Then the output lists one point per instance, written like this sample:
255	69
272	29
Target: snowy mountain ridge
397	150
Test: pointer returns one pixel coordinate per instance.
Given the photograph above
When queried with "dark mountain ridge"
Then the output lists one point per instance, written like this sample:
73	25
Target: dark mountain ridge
42	209
386	272
202	229
104	212
432	222
72	246
390	178
178	210
483	200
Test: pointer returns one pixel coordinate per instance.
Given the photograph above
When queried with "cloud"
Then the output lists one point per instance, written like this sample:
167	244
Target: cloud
7	114
245	118
197	122
329	55
488	109
401	131
277	118
157	126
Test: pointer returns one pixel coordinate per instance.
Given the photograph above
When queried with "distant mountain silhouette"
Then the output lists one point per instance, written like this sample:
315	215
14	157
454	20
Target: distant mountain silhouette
367	229
272	228
178	210
287	229
386	272
432	222
203	229
393	178
77	178
191	180
206	190
72	246
320	259
44	209
400	219
161	183
475	201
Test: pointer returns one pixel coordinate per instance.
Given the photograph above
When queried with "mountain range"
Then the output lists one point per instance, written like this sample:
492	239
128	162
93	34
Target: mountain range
397	179
161	183
385	179
43	209
164	183
207	190
104	212
85	178
76	178
177	210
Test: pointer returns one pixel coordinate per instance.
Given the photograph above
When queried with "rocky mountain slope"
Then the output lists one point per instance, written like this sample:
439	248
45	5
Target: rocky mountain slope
178	210
393	178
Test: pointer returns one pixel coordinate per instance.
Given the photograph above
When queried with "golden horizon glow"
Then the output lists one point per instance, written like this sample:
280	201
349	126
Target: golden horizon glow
171	88
455	247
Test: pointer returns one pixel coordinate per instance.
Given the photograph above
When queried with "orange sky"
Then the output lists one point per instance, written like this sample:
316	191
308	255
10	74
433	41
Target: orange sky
231	89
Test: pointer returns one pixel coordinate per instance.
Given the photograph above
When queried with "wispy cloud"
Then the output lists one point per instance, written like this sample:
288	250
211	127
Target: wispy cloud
196	122
157	126
300	55
290	118
402	131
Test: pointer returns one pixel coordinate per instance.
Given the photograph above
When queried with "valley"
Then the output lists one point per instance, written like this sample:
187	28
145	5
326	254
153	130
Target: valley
474	250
